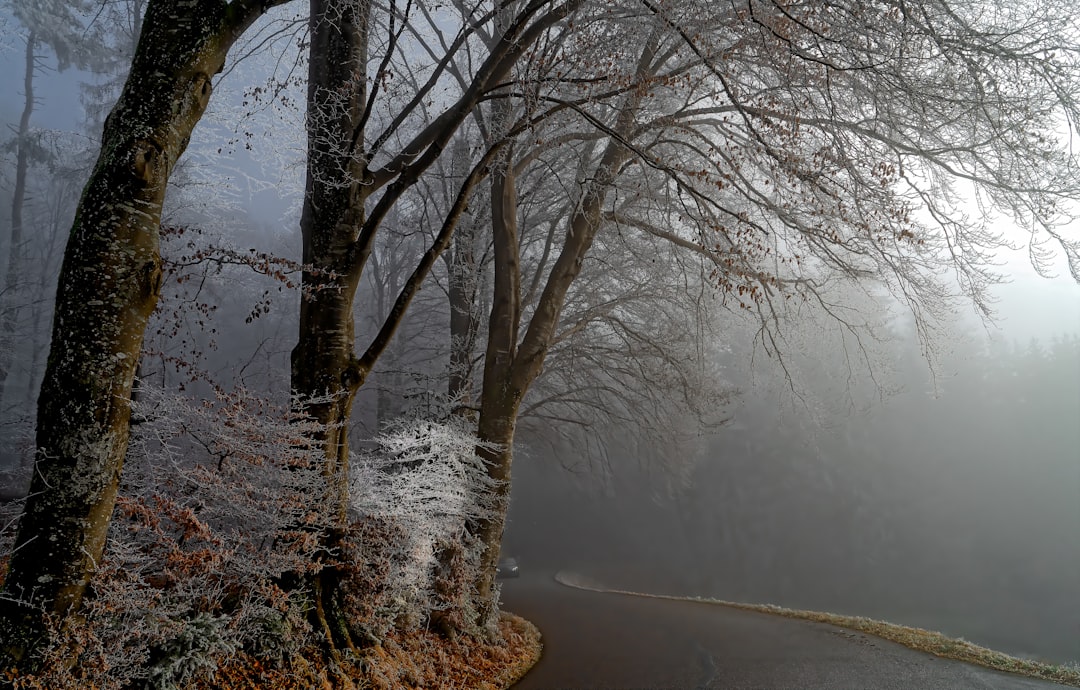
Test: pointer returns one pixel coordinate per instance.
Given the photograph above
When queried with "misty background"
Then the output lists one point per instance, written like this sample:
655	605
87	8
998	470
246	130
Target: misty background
939	488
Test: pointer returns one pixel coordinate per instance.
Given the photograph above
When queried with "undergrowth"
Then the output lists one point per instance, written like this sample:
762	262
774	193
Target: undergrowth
217	505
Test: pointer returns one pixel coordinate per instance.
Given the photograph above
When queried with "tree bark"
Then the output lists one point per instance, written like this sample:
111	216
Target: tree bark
464	320
510	367
325	371
10	294
109	284
501	393
339	235
463	278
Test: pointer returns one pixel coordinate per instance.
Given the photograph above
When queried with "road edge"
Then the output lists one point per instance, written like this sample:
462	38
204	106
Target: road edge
928	641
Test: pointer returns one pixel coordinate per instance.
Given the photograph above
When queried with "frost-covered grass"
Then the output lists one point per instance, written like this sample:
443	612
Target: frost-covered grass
425	659
223	501
919	639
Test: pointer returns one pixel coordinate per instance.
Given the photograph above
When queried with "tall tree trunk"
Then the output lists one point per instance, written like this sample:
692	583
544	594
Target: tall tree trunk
502	392
338	241
325	371
510	367
339	235
384	286
463	280
464	320
109	284
10	295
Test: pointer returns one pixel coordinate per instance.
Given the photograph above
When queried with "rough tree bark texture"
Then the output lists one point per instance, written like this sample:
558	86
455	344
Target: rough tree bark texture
325	371
109	284
503	387
509	368
464	319
463	280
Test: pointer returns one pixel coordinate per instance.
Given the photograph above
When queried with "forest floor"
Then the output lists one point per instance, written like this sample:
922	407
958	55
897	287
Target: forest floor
409	661
430	660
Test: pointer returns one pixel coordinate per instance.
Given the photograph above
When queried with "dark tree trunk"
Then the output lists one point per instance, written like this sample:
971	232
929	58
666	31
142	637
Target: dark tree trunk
464	321
339	236
511	367
109	284
325	371
10	296
463	273
498	419
503	387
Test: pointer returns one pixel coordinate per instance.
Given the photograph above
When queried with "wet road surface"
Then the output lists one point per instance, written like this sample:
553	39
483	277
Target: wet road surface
613	641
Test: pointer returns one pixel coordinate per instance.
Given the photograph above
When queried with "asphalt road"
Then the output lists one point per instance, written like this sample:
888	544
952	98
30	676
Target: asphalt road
613	641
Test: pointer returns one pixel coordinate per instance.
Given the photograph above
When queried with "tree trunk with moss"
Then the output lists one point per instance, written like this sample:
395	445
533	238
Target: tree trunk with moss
108	286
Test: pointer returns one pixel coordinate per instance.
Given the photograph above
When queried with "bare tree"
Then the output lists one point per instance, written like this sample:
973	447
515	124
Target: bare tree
54	198
368	146
635	356
792	148
59	27
108	287
786	148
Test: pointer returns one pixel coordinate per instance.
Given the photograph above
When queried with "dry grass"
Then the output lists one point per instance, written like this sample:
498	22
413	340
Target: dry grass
430	660
403	662
915	638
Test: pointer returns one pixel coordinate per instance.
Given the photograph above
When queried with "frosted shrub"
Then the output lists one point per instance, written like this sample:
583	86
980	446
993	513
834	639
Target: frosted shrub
232	477
205	526
192	652
418	488
216	507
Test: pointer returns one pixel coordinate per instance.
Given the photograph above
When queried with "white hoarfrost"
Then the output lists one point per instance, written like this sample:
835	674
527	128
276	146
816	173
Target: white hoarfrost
206	523
425	476
217	504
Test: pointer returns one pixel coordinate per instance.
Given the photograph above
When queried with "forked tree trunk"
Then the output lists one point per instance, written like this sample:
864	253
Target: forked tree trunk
501	394
338	239
510	366
109	284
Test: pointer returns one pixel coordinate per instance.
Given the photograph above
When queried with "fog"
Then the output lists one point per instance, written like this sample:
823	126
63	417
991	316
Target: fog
942	493
952	503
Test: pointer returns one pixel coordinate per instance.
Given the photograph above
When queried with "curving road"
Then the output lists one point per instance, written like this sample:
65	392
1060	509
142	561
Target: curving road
613	641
